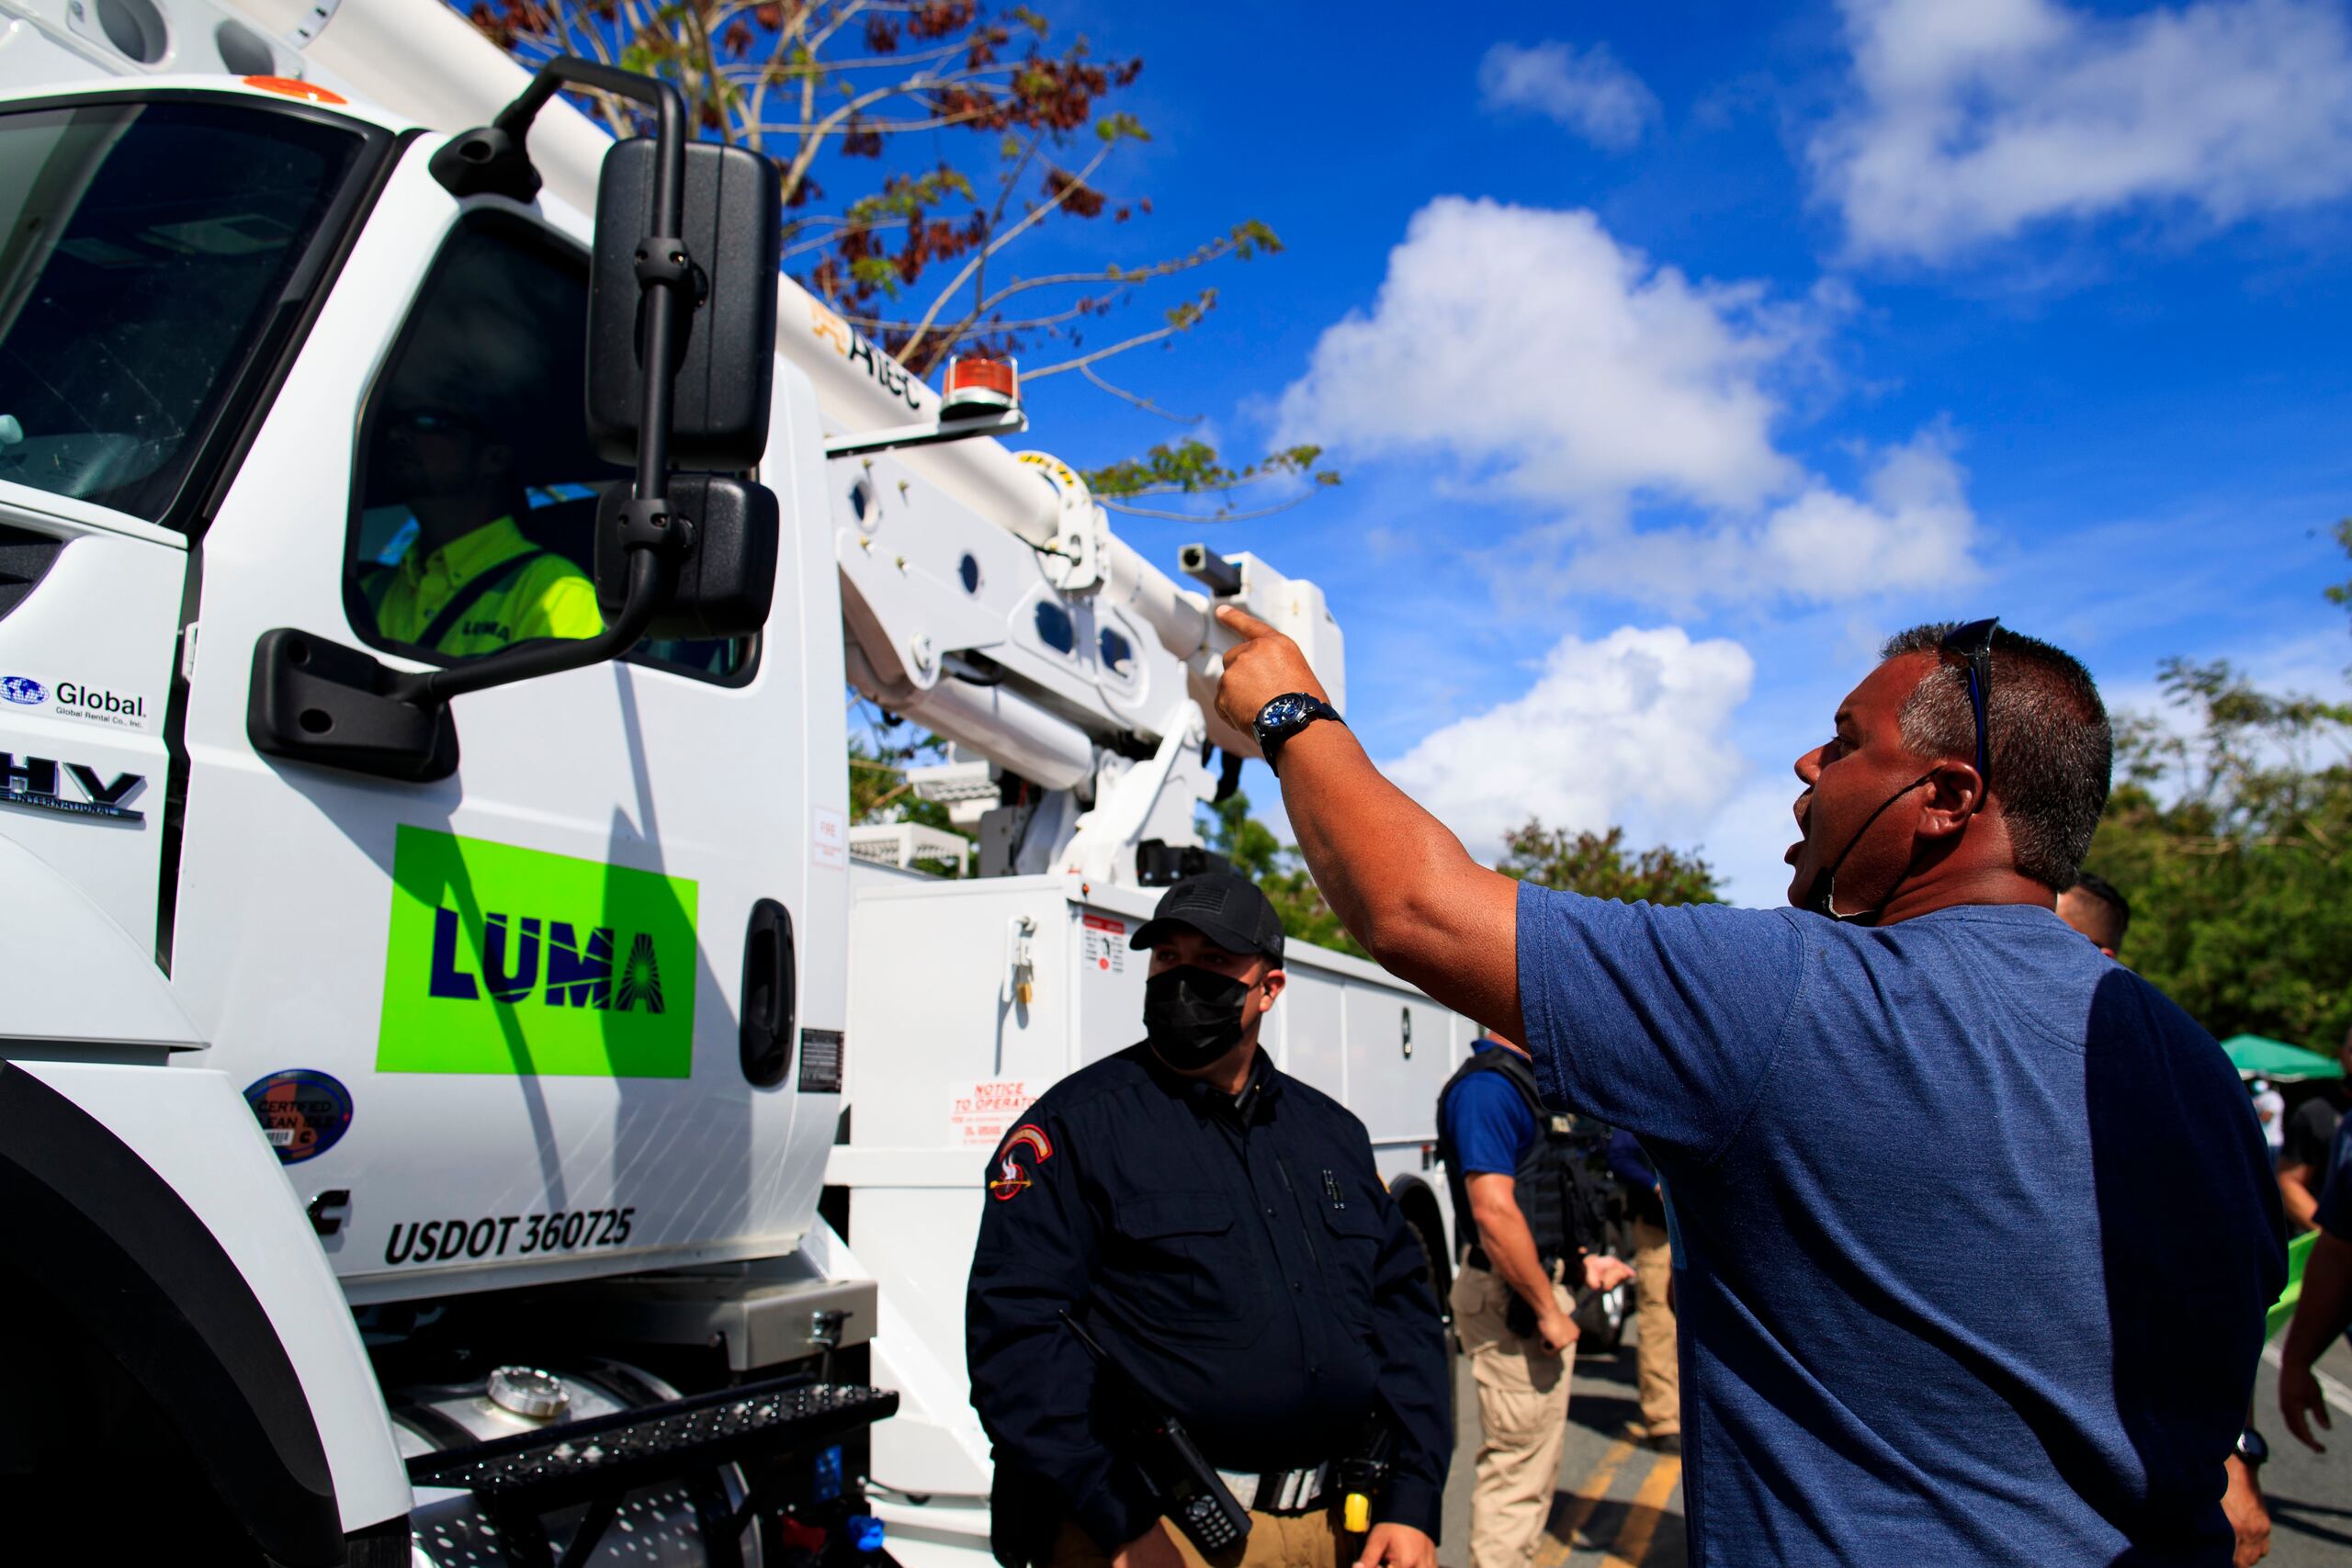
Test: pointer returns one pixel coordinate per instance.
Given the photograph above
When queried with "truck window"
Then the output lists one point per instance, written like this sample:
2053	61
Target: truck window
146	252
477	484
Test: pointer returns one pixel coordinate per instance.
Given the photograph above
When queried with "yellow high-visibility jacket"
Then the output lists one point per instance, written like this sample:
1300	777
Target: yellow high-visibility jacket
530	593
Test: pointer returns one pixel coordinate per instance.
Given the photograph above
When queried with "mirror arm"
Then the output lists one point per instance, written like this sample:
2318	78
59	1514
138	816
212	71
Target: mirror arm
545	656
665	281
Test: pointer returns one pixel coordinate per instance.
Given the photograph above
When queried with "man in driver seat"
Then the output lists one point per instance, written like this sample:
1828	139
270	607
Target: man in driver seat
471	583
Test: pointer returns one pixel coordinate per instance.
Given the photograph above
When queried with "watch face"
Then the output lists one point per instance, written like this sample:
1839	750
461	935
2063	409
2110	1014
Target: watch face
1279	715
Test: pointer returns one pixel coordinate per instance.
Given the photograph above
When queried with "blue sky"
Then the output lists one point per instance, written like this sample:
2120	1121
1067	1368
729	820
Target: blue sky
1674	356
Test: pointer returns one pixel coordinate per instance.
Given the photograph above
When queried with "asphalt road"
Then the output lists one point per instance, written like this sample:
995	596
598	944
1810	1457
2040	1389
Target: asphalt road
1620	1505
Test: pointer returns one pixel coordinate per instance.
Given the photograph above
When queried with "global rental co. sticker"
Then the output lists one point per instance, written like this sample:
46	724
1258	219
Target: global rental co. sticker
302	1111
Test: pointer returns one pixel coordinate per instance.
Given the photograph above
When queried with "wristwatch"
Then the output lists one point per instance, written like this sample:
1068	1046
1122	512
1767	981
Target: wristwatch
2252	1448
1285	717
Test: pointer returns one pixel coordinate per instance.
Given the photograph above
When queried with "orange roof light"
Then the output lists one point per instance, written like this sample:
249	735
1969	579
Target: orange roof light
306	92
978	384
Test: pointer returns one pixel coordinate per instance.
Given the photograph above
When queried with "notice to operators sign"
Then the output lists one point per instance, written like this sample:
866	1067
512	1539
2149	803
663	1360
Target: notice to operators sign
980	1115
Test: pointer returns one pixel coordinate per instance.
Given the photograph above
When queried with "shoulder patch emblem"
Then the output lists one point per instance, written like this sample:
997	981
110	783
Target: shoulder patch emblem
1012	1177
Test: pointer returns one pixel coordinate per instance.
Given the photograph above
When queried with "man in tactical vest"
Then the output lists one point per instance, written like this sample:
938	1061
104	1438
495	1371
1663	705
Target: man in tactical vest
1519	1199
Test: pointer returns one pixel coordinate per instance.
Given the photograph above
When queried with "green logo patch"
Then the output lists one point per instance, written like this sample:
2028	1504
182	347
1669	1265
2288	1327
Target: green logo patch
513	961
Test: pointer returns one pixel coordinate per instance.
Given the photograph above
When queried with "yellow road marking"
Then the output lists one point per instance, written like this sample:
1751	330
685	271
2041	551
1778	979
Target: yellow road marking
1553	1549
1632	1542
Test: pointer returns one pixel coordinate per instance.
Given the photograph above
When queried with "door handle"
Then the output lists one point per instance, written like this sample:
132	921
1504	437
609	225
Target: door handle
771	995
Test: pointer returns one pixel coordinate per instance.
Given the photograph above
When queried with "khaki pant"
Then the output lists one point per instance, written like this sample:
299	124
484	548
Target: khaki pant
1311	1539
1522	1421
1661	1376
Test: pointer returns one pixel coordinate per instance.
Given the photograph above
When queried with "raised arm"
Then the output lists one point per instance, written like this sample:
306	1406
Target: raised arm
1398	880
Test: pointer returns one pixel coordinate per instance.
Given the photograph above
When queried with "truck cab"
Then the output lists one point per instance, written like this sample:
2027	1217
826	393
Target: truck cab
262	371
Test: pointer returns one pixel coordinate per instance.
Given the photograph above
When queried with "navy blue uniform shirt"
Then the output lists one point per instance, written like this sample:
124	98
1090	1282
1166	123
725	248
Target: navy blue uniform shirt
1976	1235
1248	1269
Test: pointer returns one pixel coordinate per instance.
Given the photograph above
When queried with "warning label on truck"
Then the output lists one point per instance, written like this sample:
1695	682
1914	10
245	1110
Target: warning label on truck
1104	944
980	1113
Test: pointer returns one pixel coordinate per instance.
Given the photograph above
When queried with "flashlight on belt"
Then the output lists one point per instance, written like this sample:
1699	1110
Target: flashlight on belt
1363	1477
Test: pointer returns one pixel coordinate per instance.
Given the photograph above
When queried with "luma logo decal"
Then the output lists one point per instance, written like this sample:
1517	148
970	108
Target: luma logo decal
516	962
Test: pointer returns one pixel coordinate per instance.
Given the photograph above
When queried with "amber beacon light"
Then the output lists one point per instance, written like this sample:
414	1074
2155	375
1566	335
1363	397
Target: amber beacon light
976	384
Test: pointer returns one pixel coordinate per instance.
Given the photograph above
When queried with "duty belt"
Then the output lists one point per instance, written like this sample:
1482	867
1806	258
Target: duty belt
1279	1491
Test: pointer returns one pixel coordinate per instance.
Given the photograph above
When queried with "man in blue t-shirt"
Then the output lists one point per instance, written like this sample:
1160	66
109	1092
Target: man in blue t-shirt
1976	1234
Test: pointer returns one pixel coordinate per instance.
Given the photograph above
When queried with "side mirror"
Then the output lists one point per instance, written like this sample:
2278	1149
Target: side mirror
733	232
725	581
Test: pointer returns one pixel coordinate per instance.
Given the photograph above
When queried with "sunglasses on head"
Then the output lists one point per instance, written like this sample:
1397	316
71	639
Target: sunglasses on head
1974	643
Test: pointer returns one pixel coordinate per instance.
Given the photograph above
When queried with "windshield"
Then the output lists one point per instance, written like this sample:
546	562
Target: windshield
145	252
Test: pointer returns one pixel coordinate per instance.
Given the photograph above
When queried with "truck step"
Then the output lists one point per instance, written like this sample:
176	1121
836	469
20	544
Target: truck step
605	1456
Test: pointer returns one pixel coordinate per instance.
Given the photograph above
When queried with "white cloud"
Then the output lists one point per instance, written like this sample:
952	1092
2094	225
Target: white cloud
1911	529
1531	347
1586	91
1530	341
1631	728
1977	118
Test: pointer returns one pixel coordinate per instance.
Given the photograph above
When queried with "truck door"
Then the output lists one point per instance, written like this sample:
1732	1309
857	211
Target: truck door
492	1021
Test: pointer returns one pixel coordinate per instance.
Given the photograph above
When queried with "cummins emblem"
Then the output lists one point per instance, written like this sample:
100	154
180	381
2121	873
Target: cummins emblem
33	781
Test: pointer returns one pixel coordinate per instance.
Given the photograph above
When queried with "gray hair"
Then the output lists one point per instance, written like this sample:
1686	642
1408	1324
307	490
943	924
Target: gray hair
2050	748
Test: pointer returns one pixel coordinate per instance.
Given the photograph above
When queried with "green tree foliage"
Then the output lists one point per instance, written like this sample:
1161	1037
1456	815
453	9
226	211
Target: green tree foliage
2230	830
1600	865
879	756
1191	467
1278	869
1596	864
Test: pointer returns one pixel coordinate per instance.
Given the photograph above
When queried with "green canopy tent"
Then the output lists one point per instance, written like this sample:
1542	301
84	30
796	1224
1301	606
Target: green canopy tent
2256	1056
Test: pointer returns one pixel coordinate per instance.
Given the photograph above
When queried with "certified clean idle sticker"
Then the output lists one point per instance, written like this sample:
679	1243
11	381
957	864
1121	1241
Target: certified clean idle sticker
303	1112
524	964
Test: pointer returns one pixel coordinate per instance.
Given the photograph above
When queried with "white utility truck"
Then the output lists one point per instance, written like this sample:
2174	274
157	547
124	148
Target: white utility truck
490	1105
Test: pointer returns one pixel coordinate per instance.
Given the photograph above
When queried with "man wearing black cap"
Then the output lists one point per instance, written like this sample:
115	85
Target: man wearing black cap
1219	1229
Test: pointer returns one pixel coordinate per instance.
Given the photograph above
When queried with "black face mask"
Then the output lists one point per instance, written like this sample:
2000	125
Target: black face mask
1192	1016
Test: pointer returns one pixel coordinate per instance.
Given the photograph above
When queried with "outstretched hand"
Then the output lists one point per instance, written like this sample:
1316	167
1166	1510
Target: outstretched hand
1262	666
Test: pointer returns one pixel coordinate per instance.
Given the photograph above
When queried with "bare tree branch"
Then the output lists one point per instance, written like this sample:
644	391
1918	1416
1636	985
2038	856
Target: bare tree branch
1034	215
1142	402
1218	516
1099	355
